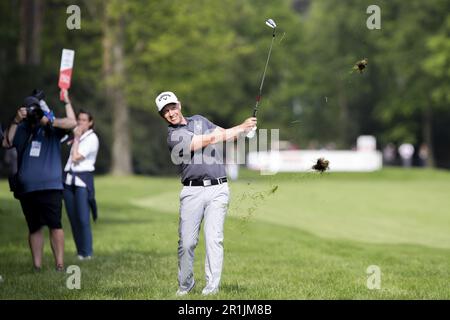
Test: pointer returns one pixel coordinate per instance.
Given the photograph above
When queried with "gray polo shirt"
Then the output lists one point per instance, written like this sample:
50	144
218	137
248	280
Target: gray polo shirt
206	163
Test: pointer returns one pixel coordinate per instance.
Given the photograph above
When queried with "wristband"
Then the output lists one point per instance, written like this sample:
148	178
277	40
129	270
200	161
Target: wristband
50	116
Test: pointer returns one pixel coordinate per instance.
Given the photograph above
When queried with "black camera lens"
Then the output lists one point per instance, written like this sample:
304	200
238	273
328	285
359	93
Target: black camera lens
31	103
34	114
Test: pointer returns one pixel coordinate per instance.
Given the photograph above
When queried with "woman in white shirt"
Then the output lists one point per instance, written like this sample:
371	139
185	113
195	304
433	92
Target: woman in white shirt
79	192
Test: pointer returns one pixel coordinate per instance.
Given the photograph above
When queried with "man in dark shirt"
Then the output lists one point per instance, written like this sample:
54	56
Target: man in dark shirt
193	143
39	177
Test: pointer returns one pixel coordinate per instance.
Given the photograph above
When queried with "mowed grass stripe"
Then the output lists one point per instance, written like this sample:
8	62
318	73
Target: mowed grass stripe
135	245
415	211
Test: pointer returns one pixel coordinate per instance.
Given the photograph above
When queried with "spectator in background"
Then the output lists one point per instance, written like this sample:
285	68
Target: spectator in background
406	151
389	154
424	154
330	146
79	191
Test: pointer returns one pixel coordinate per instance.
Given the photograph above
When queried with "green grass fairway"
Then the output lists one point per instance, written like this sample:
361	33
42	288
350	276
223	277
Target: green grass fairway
287	236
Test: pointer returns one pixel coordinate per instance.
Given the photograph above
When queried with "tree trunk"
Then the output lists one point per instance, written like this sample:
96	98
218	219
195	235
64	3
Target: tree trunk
428	134
31	12
344	127
113	65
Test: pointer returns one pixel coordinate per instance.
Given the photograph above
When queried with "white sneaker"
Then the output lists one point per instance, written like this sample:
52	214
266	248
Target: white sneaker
207	291
81	258
181	293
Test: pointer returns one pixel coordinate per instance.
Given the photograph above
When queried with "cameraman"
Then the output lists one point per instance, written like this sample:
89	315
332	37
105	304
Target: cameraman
36	135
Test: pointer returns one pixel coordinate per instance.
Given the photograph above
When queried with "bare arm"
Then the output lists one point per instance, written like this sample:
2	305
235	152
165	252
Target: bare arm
9	136
76	156
70	121
11	132
220	134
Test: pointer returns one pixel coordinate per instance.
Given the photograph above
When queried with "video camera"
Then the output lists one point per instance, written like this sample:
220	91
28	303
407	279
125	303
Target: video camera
35	106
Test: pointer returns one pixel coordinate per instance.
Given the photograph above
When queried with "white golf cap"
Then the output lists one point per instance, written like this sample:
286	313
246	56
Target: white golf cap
164	98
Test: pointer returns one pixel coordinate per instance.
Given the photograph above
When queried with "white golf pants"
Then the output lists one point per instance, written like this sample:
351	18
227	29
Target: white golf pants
197	204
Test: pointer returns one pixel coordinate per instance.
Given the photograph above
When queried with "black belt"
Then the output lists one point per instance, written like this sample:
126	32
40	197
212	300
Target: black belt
204	183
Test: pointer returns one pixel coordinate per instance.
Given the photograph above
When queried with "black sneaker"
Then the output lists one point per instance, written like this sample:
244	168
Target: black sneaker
36	269
59	268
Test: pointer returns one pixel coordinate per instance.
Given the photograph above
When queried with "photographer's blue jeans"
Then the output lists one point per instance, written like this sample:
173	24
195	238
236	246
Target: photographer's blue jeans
77	207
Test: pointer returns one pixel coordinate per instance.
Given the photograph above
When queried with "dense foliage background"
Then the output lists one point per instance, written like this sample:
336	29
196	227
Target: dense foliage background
211	53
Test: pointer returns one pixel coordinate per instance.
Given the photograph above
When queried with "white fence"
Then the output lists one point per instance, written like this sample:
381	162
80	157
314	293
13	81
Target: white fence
301	161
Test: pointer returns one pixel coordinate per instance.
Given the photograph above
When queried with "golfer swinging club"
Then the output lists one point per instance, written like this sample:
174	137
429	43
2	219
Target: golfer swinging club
205	194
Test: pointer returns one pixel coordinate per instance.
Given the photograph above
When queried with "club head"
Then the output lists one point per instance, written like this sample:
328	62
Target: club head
271	23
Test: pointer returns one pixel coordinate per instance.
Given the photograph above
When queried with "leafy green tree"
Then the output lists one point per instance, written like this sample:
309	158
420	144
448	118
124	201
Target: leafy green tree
407	108
211	53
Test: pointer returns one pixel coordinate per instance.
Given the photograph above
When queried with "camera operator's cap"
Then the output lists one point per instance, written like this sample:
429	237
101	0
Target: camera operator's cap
165	98
31	101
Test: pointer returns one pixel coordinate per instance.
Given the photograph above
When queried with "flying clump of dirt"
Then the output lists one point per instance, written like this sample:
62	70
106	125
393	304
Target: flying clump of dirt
360	65
256	199
321	165
273	190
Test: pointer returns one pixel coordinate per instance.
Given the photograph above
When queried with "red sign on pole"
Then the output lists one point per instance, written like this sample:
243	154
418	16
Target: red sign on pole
65	70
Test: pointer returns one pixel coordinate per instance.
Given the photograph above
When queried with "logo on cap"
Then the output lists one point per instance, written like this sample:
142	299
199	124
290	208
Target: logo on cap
165	98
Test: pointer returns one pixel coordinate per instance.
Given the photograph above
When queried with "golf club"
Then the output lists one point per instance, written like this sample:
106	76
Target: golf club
270	23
